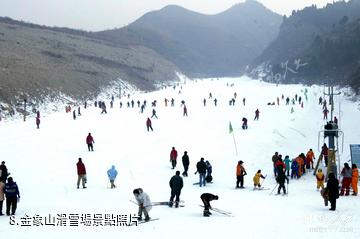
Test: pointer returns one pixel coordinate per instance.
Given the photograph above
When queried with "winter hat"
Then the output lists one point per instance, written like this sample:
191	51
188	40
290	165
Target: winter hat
241	162
216	197
136	191
3	162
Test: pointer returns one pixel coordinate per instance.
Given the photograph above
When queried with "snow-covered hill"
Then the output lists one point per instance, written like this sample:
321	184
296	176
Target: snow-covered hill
43	163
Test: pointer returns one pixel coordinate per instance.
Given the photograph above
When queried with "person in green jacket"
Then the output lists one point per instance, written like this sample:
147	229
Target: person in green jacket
287	162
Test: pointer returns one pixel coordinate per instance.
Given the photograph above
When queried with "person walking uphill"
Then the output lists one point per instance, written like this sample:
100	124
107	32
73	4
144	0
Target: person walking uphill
12	195
112	173
81	171
144	203
240	173
173	157
206	198
186	163
176	184
90	141
201	169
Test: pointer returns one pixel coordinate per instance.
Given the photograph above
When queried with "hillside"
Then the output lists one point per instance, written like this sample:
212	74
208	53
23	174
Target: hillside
203	45
315	46
38	61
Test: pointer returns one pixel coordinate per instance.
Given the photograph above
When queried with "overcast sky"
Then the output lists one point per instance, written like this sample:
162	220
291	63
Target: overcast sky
106	14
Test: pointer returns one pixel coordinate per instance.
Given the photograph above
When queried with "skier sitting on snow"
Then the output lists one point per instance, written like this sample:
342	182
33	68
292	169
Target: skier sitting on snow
206	198
256	179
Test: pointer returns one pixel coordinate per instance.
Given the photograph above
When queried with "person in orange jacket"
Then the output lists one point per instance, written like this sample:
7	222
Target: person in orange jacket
310	156
300	162
354	179
320	178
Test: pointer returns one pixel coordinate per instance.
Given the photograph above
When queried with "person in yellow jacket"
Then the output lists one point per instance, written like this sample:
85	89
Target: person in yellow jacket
256	179
320	178
354	179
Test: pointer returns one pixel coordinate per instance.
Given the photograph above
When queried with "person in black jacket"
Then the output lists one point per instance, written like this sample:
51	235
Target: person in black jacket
206	198
201	169
12	194
186	163
3	172
332	188
176	184
281	180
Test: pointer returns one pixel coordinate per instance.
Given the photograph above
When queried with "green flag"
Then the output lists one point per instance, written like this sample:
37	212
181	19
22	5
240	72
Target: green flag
230	128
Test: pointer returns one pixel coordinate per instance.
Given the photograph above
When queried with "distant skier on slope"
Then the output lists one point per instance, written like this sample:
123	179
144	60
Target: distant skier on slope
90	141
186	163
281	181
257	112
173	157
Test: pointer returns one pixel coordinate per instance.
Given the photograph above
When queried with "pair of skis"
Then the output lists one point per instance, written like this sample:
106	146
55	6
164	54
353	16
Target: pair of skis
226	213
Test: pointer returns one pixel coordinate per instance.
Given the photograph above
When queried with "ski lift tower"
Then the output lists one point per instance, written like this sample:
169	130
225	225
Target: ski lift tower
331	132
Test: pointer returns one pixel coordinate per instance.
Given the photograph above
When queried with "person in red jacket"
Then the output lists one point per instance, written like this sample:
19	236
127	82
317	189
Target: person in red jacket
81	171
90	142
173	157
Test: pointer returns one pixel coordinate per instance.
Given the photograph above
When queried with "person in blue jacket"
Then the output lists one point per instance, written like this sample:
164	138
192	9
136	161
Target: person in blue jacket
12	195
112	173
294	169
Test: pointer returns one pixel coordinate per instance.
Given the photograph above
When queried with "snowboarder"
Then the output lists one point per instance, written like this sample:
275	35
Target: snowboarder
240	173
201	169
186	163
112	173
206	198
90	142
144	203
12	196
320	178
148	124
81	171
332	189
176	184
354	179
173	157
347	176
256	179
257	112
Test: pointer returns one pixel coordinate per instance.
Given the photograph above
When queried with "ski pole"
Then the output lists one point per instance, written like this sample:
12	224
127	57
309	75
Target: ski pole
273	189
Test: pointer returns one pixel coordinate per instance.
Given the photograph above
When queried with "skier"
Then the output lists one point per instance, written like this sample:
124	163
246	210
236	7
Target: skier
215	102
240	173
332	188
154	114
2	196
320	178
335	120
112	173
274	159
144	203
90	142
257	112
244	101
173	157
79	111
244	125
148	124
320	100
37	122
204	101
185	111
81	171
281	181
176	184
12	194
206	198
280	166
256	179
347	176
201	169
354	179
186	162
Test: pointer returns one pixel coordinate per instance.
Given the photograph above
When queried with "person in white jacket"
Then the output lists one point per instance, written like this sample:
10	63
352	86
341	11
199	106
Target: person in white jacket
144	203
